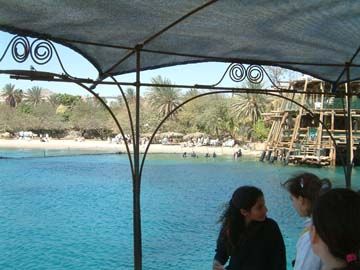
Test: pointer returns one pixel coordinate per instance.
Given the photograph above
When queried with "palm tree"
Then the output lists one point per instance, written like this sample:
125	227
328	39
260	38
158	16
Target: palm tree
12	96
164	98
34	95
249	107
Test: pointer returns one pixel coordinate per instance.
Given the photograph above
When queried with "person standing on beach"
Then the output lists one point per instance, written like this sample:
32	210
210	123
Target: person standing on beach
248	237
304	189
335	234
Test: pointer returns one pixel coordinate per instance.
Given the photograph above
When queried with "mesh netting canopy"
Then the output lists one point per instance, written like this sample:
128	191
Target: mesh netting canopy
316	37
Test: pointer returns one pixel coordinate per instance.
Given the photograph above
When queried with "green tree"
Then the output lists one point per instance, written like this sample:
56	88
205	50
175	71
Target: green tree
165	99
6	118
12	120
12	96
90	120
260	131
24	108
231	126
45	120
215	118
64	112
33	95
207	114
68	100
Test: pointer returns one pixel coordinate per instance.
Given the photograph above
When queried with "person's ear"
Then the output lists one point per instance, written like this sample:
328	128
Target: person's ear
244	212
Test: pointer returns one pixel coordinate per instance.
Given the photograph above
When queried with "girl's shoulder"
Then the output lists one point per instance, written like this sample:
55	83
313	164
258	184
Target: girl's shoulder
267	224
271	224
270	221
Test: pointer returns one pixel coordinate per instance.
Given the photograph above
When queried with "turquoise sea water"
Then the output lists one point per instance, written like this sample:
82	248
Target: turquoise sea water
75	212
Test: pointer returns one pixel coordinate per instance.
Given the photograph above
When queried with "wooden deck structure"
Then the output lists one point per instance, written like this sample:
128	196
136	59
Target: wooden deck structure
315	135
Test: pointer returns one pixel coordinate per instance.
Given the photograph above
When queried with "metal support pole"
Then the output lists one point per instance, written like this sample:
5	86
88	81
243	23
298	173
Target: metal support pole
137	176
348	130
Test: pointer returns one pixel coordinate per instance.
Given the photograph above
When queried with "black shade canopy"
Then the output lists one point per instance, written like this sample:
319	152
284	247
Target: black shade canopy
292	34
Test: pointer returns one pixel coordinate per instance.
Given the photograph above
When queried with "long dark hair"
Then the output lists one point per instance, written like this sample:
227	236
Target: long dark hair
336	218
233	222
308	186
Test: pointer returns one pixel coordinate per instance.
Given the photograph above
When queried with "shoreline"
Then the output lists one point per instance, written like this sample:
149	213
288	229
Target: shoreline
54	144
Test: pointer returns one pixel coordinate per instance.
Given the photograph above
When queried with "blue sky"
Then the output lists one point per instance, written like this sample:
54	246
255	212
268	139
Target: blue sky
76	65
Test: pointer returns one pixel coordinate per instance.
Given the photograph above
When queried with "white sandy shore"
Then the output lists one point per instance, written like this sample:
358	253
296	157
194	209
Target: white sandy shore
104	145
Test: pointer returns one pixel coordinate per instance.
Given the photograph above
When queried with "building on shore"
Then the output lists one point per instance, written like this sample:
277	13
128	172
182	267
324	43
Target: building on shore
315	135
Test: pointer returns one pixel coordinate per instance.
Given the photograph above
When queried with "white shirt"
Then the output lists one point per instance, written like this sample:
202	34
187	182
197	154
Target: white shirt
306	259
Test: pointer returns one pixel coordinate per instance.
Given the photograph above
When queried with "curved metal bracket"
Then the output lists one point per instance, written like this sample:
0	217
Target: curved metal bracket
127	108
253	73
116	122
40	51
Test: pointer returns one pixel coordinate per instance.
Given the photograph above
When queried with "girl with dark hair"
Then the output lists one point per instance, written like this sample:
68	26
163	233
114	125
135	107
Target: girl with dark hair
247	236
304	189
335	234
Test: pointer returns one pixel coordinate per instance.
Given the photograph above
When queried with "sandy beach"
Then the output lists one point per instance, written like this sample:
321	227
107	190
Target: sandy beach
107	146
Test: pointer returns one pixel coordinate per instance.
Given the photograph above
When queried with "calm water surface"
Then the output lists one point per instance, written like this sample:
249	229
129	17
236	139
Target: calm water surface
75	212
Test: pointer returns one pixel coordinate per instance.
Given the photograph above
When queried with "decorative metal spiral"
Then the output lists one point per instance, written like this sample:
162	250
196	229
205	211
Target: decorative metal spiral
41	51
255	73
237	72
20	49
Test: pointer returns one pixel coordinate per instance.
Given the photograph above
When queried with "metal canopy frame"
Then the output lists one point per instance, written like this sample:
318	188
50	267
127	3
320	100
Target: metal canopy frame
42	50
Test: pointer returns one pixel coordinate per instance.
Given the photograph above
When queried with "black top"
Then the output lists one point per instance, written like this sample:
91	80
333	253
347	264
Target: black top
262	249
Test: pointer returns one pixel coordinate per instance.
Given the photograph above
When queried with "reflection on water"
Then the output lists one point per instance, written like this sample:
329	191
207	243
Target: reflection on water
75	212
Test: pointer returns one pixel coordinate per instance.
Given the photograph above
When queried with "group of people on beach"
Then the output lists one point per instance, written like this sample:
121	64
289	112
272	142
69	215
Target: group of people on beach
194	155
330	240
